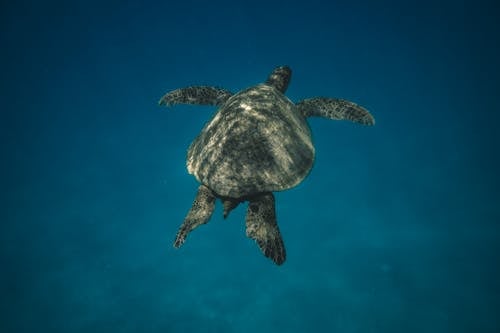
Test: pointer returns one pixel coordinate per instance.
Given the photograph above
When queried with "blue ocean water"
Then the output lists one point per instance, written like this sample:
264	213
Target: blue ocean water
395	230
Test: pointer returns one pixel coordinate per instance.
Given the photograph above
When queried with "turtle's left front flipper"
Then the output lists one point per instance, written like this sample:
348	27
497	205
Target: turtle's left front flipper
262	227
336	109
197	95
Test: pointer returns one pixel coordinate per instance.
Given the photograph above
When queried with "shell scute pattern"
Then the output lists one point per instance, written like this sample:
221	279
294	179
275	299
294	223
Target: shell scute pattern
257	142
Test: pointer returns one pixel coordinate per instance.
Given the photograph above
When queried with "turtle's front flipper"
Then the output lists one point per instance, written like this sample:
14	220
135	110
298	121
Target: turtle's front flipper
200	213
334	108
199	95
262	227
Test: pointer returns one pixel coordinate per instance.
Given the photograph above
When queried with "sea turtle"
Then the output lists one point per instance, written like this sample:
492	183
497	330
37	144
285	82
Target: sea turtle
258	142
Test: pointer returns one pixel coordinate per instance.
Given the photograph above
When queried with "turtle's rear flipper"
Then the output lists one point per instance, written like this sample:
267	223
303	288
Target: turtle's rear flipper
200	213
262	227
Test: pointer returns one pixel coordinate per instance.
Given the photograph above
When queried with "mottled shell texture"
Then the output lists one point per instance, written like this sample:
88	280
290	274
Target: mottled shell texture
257	142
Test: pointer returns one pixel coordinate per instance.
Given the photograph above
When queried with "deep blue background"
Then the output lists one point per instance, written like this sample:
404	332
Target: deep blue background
395	230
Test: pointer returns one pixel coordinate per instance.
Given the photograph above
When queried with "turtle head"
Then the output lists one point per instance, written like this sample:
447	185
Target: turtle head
280	78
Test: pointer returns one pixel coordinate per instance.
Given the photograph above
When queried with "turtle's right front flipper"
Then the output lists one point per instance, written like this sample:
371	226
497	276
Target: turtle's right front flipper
262	227
200	213
336	109
198	95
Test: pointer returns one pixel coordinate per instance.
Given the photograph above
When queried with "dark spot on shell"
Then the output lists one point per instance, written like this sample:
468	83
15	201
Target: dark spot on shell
254	208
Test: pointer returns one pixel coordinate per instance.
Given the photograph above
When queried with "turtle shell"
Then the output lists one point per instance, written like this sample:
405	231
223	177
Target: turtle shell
257	142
